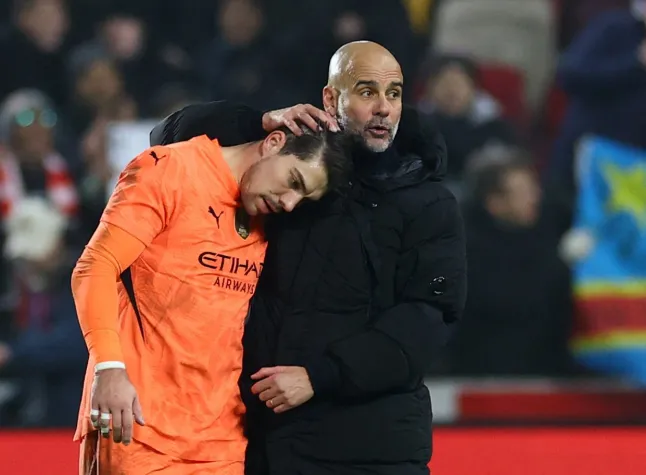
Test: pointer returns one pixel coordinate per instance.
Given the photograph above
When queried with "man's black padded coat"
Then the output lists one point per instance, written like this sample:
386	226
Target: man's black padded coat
361	290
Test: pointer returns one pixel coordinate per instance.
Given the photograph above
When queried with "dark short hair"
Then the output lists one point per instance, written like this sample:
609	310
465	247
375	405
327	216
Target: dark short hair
438	64
332	148
485	172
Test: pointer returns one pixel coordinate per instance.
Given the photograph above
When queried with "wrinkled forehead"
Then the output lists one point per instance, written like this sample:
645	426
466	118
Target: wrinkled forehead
378	68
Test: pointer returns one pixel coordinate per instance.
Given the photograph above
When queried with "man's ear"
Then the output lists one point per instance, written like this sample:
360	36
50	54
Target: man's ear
330	100
273	143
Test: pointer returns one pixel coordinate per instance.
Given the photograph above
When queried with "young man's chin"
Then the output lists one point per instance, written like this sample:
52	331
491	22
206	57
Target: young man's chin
250	207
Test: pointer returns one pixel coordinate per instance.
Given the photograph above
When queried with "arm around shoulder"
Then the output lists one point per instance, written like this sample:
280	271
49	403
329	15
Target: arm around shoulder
229	122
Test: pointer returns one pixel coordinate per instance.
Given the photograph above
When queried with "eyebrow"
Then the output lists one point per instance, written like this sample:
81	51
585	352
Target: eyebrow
375	84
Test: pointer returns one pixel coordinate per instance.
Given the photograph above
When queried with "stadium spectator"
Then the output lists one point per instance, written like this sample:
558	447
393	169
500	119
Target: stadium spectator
386	23
603	73
516	319
514	34
576	14
30	163
99	97
32	49
145	64
246	59
98	89
468	118
46	354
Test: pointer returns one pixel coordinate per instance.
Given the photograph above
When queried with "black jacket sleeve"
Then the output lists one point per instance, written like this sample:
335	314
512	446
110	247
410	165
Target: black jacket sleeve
399	346
230	123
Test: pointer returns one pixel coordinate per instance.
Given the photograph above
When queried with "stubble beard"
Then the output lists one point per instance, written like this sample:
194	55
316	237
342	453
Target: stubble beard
360	132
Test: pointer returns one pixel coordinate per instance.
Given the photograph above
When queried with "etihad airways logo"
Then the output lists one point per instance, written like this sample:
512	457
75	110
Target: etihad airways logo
235	267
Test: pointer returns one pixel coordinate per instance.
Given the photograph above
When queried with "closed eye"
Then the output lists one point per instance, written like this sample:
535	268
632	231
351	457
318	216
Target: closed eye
296	181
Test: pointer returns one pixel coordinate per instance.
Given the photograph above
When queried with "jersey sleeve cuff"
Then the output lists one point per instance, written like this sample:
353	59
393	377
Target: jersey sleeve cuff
109	365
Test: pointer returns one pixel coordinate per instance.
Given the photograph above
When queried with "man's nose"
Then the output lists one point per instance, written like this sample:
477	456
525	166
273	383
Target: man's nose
289	201
382	107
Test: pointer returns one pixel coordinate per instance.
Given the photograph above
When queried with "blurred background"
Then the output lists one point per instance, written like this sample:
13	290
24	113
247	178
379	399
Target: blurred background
541	103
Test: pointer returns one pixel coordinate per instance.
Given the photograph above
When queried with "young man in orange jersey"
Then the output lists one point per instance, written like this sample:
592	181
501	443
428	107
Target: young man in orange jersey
162	292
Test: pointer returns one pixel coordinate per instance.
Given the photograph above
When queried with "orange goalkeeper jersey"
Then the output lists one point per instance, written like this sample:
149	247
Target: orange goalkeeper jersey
181	341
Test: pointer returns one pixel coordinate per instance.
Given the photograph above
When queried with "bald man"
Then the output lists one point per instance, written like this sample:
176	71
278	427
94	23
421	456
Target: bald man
358	292
364	91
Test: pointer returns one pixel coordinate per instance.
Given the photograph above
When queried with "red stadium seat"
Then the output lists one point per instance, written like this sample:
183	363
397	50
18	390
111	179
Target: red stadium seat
518	33
507	85
555	110
549	123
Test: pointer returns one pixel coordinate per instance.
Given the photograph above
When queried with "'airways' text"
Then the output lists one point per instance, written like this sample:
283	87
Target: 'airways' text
235	285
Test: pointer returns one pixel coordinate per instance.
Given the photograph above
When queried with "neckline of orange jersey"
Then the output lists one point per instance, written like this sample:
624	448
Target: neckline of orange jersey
230	181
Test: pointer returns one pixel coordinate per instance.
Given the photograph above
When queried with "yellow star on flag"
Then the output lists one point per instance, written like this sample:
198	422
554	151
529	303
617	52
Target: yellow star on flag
627	191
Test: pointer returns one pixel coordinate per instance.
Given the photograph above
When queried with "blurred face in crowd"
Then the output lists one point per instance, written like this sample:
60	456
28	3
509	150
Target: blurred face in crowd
124	37
45	21
518	201
279	182
350	26
452	91
364	93
32	137
100	84
94	143
240	21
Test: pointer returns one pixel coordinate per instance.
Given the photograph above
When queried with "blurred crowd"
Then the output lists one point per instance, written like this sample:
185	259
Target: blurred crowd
512	84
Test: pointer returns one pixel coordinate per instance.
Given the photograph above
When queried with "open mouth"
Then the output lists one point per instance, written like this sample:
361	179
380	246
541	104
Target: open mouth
379	131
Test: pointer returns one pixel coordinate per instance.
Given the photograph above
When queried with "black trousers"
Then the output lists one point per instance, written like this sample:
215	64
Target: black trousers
261	460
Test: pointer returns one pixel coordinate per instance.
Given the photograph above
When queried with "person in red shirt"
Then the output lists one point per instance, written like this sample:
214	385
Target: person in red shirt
162	291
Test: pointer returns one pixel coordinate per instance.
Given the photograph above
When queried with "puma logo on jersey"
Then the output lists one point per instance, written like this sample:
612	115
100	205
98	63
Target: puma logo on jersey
215	215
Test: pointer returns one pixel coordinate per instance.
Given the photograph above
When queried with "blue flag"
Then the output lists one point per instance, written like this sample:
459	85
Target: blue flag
610	282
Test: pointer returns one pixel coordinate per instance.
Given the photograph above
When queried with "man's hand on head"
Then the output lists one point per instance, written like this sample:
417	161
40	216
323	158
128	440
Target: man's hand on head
282	388
293	117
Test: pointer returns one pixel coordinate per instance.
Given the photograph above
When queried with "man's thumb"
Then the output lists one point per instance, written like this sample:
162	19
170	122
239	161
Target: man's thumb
138	413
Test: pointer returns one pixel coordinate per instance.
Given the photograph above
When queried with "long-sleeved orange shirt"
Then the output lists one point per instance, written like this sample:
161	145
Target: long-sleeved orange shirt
171	222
